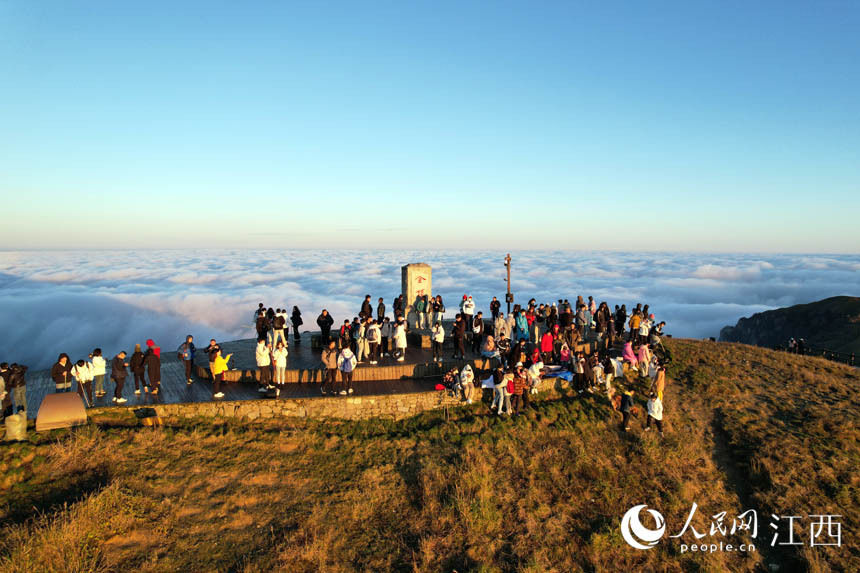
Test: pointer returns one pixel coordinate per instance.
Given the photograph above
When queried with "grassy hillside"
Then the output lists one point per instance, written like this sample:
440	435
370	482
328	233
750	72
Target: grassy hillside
746	427
832	324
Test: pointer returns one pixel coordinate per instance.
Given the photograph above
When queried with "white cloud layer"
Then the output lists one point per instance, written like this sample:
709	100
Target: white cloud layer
52	302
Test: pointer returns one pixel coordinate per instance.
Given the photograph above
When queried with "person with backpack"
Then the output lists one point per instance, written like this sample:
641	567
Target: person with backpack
118	374
345	335
296	319
137	369
362	348
185	353
279	323
346	363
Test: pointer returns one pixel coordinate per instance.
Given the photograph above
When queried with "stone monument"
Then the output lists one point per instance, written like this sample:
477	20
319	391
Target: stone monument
416	280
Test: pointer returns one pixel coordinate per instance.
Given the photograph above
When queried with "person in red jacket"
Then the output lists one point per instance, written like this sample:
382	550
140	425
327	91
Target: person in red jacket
547	344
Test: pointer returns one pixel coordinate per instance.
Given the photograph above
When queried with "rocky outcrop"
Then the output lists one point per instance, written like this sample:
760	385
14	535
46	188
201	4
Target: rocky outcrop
832	323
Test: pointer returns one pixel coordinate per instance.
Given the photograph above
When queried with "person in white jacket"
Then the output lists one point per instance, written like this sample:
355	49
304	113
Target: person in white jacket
83	373
98	363
500	327
467	383
655	412
400	340
373	334
501	396
346	363
437	335
263	355
279	356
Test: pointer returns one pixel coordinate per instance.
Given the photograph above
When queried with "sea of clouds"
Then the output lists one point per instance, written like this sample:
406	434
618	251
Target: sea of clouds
74	301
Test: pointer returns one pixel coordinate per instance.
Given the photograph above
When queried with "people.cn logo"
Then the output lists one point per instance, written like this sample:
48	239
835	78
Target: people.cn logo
637	535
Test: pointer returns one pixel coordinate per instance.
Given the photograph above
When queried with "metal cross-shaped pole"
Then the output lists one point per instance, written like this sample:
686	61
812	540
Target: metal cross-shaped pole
508	297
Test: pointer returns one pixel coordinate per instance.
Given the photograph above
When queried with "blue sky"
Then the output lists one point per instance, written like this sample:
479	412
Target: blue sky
713	126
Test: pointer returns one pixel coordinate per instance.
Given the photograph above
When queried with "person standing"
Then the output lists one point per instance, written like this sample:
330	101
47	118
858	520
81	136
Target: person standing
428	312
468	312
458	331
366	308
520	386
296	319
329	361
547	347
495	306
400	340
17	381
186	352
118	374
219	367
137	368
655	412
380	311
477	332
262	325
5	396
386	330
626	409
263	357
83	373
438	337
362	348
467	383
325	322
99	371
152	362
438	309
346	363
419	312
373	336
61	373
279	322
279	358
502	390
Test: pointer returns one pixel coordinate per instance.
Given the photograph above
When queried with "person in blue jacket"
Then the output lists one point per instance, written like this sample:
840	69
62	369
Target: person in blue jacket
186	354
522	326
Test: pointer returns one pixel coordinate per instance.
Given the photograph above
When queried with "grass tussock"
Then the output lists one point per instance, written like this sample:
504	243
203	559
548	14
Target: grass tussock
542	492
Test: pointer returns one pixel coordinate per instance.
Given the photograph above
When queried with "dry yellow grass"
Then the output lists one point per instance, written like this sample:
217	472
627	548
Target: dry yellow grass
545	492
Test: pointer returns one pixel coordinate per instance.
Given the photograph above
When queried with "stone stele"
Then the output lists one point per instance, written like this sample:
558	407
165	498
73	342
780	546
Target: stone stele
416	280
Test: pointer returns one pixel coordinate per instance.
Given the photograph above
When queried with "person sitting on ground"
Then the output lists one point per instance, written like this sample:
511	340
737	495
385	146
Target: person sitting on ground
655	413
535	375
564	356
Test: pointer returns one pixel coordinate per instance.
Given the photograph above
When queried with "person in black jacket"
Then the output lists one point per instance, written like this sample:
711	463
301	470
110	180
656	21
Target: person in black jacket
380	311
118	374
458	331
136	364
495	305
296	319
61	373
325	322
262	326
366	308
153	369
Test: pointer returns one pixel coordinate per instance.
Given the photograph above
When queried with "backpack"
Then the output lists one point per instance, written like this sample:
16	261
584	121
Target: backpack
279	322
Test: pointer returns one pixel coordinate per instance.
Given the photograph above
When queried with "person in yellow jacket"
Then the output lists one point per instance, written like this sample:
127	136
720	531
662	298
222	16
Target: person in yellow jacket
219	367
634	326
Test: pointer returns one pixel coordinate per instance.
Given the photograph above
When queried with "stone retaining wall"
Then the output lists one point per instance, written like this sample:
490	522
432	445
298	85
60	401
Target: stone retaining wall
391	406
